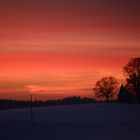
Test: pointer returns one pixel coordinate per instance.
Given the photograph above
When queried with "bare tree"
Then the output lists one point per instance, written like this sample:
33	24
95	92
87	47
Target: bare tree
106	88
132	73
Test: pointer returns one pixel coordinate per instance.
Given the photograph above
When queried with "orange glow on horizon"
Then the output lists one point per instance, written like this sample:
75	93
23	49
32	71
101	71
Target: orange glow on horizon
58	49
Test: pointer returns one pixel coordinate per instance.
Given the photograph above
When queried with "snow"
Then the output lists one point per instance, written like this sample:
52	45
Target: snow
102	121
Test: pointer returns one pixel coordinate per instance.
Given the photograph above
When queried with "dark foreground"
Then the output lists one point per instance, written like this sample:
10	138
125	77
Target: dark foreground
74	122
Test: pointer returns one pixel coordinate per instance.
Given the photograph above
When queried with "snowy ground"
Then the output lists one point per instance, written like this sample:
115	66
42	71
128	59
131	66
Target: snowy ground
75	122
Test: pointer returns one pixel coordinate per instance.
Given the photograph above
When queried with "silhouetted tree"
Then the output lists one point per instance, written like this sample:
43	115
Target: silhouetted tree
132	73
106	88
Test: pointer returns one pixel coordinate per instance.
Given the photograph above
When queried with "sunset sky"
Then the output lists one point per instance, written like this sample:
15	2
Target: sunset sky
58	48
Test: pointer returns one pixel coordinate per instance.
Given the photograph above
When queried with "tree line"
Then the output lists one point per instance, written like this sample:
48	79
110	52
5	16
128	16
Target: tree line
12	104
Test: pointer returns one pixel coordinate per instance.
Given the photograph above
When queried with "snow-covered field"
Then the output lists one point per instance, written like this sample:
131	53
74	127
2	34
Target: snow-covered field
74	122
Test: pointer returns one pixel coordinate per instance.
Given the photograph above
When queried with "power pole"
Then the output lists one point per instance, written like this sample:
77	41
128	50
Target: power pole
31	110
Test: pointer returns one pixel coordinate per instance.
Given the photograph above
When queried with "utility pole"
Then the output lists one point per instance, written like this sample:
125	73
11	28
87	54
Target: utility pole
31	110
